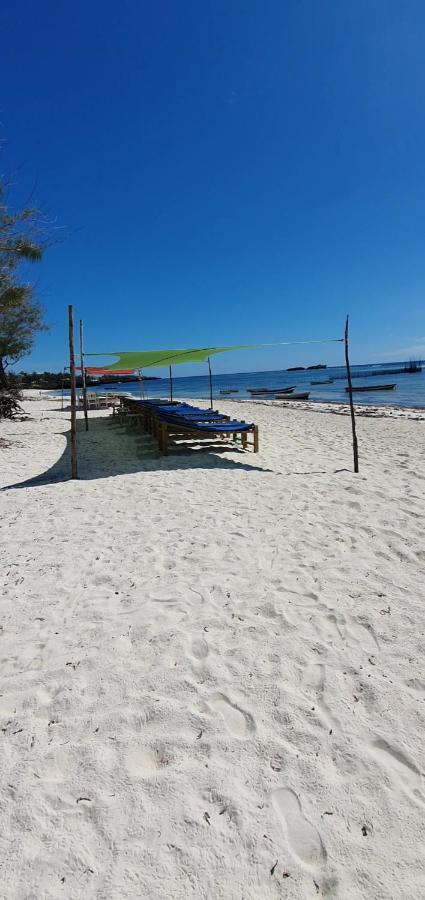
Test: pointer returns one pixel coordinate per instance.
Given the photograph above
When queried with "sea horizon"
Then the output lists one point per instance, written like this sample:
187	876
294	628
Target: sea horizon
409	391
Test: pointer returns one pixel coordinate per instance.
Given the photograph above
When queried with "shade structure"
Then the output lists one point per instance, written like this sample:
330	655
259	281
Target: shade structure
146	359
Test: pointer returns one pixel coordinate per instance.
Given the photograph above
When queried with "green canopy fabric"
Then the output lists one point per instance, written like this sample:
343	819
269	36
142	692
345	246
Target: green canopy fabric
148	359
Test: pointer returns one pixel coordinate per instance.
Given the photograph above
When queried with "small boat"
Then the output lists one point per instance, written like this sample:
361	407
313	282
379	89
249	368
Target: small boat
235	391
372	387
302	396
327	381
270	393
319	366
285	390
296	369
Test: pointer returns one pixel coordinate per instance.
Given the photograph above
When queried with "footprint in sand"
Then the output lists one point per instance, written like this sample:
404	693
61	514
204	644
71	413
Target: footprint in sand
328	626
416	684
315	678
338	623
355	505
144	762
237	721
363	633
53	768
303	837
199	648
403	769
43	698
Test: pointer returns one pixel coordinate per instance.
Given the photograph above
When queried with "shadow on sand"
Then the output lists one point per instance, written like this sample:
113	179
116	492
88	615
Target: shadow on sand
109	449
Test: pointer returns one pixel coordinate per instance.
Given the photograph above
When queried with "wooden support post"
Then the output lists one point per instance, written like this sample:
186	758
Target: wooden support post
83	377
163	437
256	439
350	392
140	380
74	466
62	387
211	390
171	385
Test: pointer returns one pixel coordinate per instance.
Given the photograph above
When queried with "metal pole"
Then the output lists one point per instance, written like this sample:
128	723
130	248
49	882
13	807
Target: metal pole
211	390
350	392
74	467
83	377
171	385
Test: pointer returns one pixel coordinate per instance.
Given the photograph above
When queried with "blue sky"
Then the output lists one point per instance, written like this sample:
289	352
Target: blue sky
223	172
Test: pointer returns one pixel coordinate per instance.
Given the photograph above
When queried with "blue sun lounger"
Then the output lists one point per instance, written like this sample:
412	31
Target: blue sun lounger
181	420
185	427
151	413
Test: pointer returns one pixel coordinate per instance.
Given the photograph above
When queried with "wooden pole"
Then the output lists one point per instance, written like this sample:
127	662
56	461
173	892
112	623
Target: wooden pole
62	387
171	384
350	392
74	467
211	391
140	379
83	377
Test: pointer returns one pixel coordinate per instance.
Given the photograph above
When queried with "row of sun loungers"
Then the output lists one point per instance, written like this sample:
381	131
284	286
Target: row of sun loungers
165	419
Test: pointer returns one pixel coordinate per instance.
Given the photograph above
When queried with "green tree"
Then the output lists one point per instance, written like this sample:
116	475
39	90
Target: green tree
21	317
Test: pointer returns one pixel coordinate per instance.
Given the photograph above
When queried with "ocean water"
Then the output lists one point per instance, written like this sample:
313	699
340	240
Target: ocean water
409	390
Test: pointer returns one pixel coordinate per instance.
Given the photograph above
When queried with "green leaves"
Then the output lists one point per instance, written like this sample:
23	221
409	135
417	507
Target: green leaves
21	317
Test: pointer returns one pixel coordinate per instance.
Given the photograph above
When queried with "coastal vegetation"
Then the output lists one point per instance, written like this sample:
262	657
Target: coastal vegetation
52	381
22	242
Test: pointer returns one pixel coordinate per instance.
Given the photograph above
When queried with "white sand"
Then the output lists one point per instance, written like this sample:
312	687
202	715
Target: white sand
212	669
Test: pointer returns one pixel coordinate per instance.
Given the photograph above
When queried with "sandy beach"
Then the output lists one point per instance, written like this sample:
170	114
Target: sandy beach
212	674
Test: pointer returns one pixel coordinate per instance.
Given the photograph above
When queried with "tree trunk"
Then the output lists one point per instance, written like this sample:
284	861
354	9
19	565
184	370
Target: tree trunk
3	376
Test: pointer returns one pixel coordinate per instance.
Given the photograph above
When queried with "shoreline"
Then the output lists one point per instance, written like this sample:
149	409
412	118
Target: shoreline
334	406
331	406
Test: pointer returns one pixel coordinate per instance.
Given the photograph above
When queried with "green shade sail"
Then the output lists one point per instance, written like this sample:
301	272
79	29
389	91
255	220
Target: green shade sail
148	359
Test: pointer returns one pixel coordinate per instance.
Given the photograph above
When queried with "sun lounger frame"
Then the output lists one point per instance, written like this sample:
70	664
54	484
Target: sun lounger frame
148	416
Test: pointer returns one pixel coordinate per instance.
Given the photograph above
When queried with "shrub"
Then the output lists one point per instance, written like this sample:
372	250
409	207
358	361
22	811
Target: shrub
9	404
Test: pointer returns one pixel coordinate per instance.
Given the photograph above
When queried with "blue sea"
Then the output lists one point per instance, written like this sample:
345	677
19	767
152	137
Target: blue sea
409	390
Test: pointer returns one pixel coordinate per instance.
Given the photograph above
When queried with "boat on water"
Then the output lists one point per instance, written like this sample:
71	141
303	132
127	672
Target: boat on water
325	381
233	391
299	396
372	387
296	369
284	390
